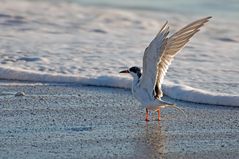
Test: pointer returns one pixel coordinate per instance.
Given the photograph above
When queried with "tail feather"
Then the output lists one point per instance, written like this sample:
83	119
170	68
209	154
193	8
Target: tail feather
164	104
175	107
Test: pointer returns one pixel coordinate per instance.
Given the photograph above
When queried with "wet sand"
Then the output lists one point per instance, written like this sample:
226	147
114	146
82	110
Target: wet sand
74	121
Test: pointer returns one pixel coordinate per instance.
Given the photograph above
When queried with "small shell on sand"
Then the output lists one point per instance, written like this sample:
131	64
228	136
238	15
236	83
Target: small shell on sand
19	94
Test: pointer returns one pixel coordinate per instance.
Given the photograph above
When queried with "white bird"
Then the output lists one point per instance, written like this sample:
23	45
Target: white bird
146	86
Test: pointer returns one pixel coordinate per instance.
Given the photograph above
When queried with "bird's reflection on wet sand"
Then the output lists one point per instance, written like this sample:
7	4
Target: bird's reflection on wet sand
153	141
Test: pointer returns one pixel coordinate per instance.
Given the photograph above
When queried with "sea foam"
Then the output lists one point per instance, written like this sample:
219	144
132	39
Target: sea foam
176	91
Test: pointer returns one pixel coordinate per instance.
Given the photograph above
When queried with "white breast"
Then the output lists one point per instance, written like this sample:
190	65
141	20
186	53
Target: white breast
141	95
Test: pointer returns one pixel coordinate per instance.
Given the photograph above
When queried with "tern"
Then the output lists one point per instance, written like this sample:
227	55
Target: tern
146	85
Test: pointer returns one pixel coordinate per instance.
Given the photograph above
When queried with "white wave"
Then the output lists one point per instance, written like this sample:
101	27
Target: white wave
186	93
176	91
25	75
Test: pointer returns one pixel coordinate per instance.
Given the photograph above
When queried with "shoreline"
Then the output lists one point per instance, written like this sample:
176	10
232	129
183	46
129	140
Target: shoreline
70	121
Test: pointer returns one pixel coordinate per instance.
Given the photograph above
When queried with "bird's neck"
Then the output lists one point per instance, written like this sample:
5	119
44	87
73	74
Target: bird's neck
136	76
135	79
134	84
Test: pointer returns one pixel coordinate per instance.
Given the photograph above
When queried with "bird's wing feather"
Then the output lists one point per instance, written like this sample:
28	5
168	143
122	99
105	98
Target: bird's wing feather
151	60
174	44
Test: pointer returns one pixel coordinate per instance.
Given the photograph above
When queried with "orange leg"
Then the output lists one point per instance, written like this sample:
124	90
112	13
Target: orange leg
158	114
147	115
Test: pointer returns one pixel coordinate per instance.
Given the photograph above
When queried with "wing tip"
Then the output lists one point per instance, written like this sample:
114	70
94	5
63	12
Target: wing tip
209	17
206	19
164	26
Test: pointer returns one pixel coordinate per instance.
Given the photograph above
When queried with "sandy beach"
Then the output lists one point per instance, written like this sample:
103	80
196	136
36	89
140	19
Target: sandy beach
77	105
74	121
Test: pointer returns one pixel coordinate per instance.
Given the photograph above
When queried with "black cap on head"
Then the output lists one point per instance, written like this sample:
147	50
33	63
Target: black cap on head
135	69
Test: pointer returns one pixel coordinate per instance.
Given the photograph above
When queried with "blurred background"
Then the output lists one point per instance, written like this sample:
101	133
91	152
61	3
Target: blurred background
218	8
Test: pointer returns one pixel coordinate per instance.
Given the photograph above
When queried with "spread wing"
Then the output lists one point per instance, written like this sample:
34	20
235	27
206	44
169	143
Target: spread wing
151	60
174	44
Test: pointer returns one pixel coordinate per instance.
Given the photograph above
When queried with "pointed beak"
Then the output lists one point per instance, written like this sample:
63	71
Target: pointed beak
124	71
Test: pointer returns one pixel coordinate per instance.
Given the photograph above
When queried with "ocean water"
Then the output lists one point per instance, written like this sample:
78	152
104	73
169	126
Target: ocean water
89	42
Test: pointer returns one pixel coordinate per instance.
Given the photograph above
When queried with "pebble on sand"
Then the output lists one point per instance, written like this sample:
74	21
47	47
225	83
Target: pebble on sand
20	94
